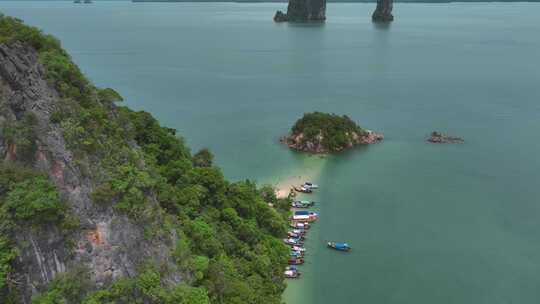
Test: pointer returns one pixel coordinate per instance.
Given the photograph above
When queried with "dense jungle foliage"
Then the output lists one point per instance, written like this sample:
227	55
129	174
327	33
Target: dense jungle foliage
228	236
333	130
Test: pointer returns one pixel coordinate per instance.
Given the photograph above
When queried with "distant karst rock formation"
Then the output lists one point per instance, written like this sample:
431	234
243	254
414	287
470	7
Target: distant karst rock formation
383	12
303	11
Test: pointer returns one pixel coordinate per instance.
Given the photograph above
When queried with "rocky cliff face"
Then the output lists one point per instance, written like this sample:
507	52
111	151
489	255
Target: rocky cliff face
383	12
107	242
303	11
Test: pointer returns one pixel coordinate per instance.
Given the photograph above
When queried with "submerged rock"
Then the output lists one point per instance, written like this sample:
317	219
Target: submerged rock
303	11
440	138
383	12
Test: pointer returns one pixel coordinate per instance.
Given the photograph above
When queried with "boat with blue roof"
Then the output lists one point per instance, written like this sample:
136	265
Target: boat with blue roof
339	246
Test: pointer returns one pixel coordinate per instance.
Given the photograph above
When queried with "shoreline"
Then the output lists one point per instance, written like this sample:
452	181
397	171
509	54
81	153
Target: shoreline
285	186
309	170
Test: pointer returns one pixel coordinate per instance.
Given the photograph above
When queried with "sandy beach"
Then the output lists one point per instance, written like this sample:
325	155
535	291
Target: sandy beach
284	187
310	171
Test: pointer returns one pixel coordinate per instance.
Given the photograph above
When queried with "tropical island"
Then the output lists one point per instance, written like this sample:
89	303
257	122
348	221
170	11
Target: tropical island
101	204
319	132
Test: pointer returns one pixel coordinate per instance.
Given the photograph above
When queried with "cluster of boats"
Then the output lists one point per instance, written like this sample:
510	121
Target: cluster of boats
307	187
301	221
296	237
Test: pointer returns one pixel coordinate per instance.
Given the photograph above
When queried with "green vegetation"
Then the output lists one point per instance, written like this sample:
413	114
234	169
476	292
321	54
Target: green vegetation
21	135
228	243
147	287
335	132
27	199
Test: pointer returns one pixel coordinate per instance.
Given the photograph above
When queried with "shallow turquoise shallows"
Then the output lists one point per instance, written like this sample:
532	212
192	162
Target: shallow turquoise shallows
429	224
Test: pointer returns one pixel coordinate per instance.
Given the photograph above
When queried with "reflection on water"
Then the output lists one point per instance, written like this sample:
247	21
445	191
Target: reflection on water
383	26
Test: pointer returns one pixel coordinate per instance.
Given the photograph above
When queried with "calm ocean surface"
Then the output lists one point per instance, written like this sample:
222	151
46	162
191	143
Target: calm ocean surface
428	223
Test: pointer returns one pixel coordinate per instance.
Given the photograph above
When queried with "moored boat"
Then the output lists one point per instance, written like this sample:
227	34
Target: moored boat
292	274
291	241
302	189
298	254
306	212
298	236
339	246
302	204
296	261
303	218
310	185
298	248
298	231
299	225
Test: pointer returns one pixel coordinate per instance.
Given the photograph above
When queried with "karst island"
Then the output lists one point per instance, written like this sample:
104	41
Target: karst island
320	133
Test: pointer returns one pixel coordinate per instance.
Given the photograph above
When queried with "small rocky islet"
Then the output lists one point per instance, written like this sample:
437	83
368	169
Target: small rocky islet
320	133
441	138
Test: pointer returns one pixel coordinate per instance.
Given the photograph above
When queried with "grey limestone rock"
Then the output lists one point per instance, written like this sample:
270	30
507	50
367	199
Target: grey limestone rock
107	242
383	12
303	11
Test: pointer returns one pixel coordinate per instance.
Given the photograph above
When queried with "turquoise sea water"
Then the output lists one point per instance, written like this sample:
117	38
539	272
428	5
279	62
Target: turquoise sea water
428	223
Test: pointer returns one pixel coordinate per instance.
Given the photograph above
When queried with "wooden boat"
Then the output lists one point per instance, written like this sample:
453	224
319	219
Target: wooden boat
296	261
339	246
303	218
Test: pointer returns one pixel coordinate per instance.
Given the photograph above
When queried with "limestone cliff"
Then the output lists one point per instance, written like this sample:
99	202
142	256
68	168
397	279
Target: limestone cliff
107	242
303	11
383	12
101	204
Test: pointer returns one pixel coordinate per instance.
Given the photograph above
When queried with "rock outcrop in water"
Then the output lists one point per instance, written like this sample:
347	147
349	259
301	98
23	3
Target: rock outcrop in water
383	12
324	133
440	138
303	11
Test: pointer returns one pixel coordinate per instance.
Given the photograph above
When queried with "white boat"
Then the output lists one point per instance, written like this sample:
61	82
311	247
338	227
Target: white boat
300	225
291	274
298	231
310	185
304	218
298	248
